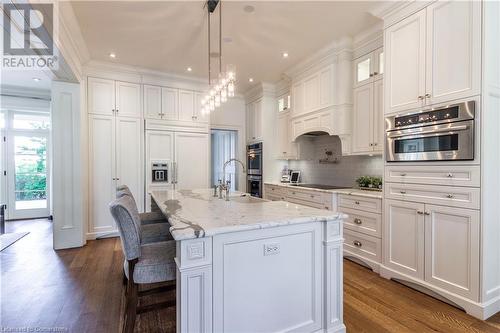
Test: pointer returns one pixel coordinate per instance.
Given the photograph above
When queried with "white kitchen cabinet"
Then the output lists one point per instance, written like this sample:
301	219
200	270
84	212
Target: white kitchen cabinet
108	97
452	249
102	172
191	161
404	45
170	103
404	237
453	57
314	92
129	157
186	105
434	56
311	92
115	158
286	148
298	98
101	96
128	99
254	121
378	122
152	102
369	68
451	175
362	140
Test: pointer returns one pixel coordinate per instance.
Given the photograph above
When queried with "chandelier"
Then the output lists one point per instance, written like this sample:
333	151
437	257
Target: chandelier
222	87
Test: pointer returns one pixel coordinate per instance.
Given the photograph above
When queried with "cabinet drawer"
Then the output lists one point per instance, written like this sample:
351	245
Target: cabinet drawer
362	245
274	190
318	205
464	197
364	222
274	197
372	205
305	195
435	175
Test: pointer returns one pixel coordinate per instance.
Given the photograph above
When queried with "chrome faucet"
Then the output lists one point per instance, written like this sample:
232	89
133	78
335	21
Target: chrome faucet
226	185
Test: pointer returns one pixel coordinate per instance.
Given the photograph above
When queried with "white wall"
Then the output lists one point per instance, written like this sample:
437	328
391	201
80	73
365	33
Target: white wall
231	115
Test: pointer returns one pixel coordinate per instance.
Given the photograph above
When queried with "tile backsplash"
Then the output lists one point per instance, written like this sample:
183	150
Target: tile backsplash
342	173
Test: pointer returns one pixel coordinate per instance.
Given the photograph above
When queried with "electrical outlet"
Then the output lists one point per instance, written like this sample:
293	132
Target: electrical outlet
271	249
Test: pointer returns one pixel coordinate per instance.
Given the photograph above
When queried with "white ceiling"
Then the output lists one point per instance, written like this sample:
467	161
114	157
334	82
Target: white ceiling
170	36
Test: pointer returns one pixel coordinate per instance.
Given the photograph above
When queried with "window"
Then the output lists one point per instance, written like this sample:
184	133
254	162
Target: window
31	121
363	70
381	63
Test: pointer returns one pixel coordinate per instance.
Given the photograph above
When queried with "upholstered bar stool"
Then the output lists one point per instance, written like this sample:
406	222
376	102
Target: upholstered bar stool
144	263
146	218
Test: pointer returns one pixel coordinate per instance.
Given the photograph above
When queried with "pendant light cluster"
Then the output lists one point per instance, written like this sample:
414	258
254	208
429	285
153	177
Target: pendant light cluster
222	87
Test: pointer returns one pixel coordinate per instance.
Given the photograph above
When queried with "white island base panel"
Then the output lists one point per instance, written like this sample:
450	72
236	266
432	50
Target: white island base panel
279	277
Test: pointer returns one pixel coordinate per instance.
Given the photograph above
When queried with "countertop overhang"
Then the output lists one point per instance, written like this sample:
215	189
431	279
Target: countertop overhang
348	191
197	213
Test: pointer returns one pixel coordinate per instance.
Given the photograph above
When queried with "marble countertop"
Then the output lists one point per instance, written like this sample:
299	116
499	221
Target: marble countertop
348	191
196	213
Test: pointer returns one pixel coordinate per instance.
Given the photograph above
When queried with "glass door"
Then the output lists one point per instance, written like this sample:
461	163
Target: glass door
27	166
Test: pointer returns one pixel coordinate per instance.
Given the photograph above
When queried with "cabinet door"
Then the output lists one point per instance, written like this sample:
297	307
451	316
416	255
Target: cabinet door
298	98
250	122
404	237
186	105
326	87
191	170
282	136
102	172
101	96
170	103
152	102
311	93
378	116
363	70
257	120
129	157
452	249
453	50
128	99
405	67
362	122
198	115
379	64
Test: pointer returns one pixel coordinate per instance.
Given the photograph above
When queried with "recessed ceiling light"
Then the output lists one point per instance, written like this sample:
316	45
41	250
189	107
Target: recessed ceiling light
112	55
189	69
250	80
37	79
249	9
285	54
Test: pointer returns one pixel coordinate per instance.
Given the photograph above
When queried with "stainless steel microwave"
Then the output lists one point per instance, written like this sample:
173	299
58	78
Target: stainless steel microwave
439	134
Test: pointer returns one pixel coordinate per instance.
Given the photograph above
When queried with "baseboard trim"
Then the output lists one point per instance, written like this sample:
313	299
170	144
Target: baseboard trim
102	234
478	310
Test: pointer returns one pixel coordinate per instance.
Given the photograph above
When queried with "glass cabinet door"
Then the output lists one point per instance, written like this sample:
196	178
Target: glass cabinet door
363	69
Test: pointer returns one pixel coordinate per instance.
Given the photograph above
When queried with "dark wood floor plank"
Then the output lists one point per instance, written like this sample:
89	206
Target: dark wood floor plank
81	290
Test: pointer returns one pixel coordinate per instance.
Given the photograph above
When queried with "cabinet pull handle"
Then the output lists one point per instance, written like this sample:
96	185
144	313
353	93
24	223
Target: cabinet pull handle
357	243
427	95
450	196
420	212
358	221
427	213
327	208
375	73
371	74
356	202
420	97
312	195
402	174
450	175
402	192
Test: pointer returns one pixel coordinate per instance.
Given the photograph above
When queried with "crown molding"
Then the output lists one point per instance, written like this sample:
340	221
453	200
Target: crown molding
262	89
389	8
325	55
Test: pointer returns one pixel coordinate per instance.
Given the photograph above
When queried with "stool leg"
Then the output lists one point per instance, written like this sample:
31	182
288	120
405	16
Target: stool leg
131	300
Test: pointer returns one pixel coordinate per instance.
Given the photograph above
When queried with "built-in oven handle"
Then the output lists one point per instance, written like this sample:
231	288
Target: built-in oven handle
434	131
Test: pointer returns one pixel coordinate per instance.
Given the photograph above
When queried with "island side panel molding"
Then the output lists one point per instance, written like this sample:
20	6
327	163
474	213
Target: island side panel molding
194	285
275	275
333	277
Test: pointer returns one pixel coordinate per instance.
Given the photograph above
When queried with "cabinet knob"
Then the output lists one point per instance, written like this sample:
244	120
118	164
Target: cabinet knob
356	202
117	110
450	175
371	74
375	73
357	243
113	110
450	196
402	192
327	208
427	95
427	213
402	174
420	212
375	144
420	97
371	144
358	221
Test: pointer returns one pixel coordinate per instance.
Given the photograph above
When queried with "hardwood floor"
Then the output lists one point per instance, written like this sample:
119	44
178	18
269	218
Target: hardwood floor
80	290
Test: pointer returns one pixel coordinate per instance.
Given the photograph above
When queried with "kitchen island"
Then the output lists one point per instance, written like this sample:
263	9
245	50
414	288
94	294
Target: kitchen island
252	265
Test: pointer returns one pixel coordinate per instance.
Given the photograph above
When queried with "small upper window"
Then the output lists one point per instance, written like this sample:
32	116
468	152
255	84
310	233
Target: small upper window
31	121
363	70
381	62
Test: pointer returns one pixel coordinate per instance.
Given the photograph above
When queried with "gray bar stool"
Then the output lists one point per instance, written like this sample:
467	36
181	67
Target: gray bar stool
146	218
144	263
